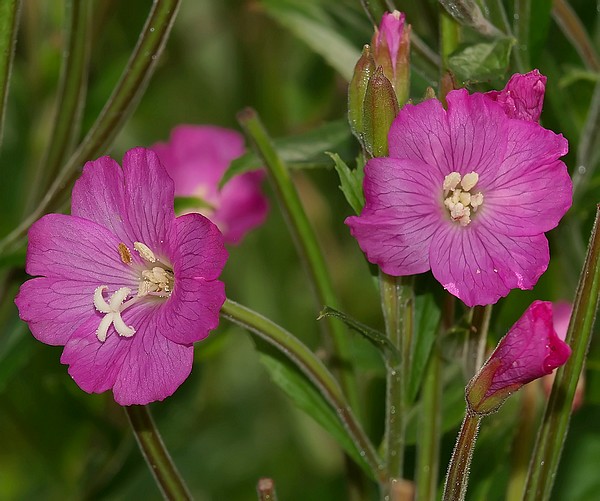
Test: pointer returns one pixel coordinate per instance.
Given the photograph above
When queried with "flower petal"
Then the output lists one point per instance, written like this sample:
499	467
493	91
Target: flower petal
141	369
198	155
530	350
77	250
523	96
135	203
400	216
478	132
479	267
421	133
196	248
54	307
242	206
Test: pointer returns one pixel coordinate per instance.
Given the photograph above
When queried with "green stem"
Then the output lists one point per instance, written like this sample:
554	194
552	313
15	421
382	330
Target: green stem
457	478
156	455
313	368
71	94
115	113
9	14
521	31
477	339
428	441
555	423
306	243
449	36
573	29
397	302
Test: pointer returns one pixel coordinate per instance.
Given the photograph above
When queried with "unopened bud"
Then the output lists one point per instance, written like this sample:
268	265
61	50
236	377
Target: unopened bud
380	108
391	51
365	67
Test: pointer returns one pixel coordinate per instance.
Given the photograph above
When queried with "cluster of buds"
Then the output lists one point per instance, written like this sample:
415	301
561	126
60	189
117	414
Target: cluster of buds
380	83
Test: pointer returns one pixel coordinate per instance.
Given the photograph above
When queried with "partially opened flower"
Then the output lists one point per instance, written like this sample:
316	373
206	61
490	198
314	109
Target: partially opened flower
125	286
196	157
467	193
523	96
530	350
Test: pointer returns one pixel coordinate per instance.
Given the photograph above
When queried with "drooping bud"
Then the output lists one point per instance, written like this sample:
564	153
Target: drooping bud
365	67
530	350
380	108
391	51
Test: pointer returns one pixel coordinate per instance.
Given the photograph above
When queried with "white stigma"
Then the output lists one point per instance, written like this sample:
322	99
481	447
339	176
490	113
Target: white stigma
145	252
112	311
458	200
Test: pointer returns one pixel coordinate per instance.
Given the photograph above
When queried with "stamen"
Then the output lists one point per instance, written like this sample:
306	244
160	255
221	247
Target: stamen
145	252
125	253
112	311
457	197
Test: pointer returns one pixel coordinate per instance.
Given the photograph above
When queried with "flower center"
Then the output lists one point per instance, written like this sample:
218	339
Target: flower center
112	311
458	198
158	280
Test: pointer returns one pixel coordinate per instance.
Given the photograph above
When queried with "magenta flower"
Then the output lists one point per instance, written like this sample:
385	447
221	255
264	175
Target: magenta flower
467	193
196	157
523	96
530	350
125	286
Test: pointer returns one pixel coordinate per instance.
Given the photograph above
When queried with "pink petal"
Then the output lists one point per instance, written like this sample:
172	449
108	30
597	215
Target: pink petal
135	203
54	307
142	369
198	155
421	133
480	267
196	248
390	30
478	132
562	317
242	206
530	350
400	216
77	250
523	96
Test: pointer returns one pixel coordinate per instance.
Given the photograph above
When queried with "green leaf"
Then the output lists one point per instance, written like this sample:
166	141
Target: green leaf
482	61
468	13
302	151
304	394
352	181
376	338
310	23
427	318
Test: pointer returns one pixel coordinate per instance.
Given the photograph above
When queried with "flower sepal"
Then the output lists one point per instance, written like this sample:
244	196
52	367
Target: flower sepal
365	67
478	401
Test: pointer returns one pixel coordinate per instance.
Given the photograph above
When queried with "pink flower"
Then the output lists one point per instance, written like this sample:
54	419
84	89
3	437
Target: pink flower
467	193
125	286
391	47
196	157
523	96
530	350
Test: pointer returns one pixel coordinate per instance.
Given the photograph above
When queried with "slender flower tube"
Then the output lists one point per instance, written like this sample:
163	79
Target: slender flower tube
196	157
122	283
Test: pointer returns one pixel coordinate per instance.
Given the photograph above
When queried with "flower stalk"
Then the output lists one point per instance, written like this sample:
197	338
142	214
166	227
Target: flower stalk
9	15
555	423
306	242
314	369
458	472
168	479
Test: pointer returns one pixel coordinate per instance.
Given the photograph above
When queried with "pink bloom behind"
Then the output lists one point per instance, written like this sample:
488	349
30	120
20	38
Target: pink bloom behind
467	193
122	283
196	157
530	350
523	96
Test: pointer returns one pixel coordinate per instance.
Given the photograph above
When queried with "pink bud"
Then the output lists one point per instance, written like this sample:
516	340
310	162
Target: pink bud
530	350
390	46
523	96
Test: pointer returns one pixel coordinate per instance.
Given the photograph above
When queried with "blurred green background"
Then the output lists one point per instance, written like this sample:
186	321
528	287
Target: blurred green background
228	425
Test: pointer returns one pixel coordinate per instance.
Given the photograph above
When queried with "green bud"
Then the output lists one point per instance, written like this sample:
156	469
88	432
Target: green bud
379	110
363	70
478	401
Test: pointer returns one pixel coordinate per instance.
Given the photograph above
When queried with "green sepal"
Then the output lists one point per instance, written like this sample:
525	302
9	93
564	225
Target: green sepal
351	182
